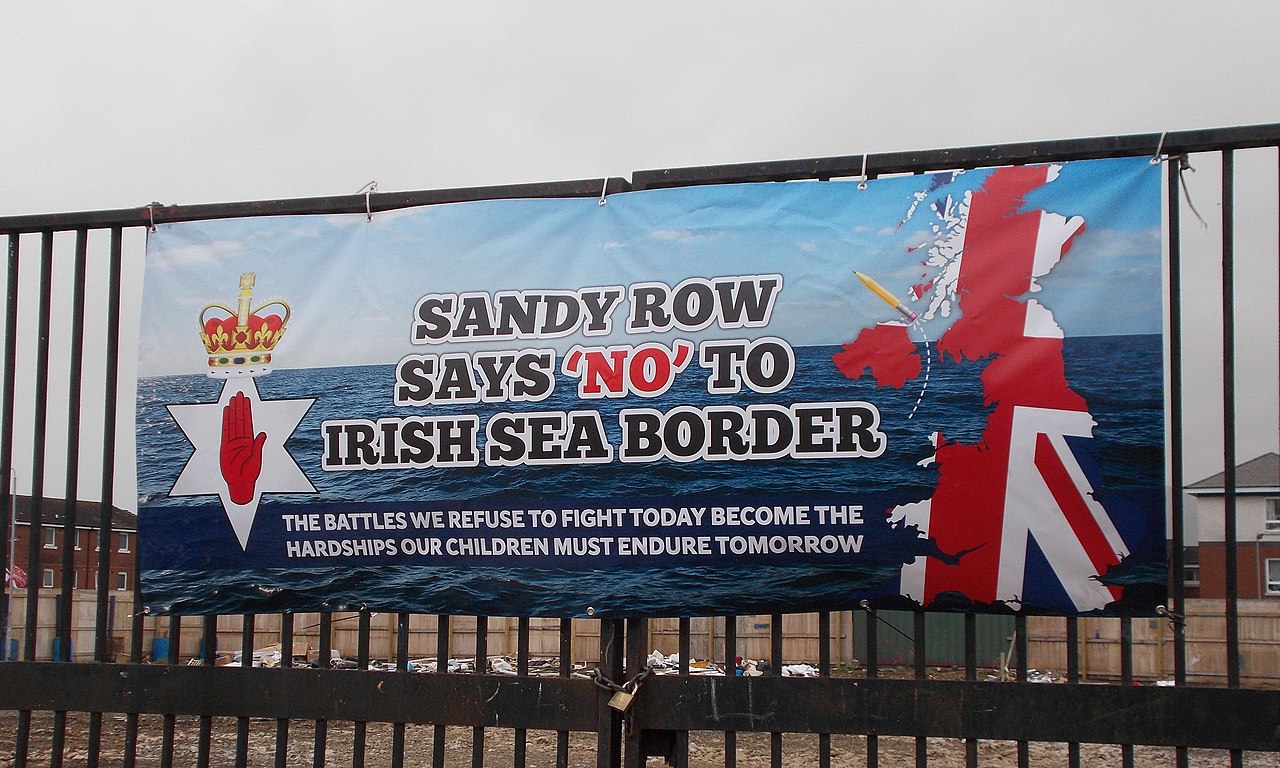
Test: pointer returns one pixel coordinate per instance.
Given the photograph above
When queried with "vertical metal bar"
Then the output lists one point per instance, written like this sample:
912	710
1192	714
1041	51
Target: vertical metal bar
402	665
921	657
482	667
731	669
136	625
682	737
566	669
286	662
6	462
1073	678
684	645
824	644
71	473
362	640
359	729
609	735
1126	677
37	488
873	671
970	674
129	758
320	745
209	641
613	662
246	661
21	742
1176	481
1229	427
636	644
167	729
58	739
38	449
6	434
519	755
1229	416
204	741
824	670
110	392
1020	646
105	506
775	669
442	668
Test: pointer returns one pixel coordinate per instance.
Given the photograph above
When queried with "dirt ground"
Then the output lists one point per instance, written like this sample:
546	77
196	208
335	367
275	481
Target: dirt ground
706	750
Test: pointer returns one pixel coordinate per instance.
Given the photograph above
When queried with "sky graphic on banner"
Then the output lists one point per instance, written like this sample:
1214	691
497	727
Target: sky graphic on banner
942	391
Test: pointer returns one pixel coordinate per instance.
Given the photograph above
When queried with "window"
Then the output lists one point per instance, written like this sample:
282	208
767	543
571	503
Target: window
122	581
77	538
47	579
50	538
1191	575
1273	514
124	541
1273	576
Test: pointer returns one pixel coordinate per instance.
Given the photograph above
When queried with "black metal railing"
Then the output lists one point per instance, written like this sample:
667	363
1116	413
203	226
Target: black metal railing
59	412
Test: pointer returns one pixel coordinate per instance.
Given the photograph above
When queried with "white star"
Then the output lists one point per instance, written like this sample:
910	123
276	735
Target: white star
203	425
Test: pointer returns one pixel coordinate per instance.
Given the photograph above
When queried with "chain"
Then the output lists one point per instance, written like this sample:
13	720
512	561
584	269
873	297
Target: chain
631	686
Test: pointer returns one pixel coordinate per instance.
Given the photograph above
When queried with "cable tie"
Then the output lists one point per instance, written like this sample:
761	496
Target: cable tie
367	190
1157	157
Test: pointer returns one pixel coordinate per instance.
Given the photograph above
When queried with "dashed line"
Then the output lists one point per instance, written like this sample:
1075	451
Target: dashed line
928	366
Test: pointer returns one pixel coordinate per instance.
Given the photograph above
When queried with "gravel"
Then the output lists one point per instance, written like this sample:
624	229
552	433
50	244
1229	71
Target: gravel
705	749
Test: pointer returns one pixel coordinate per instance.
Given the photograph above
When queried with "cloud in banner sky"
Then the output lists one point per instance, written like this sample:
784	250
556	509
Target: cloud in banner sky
115	105
670	234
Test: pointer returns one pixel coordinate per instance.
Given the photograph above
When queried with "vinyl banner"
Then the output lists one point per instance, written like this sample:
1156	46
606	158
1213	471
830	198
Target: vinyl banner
940	391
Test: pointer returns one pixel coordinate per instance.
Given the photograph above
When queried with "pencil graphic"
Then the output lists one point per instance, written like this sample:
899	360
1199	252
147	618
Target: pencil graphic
887	297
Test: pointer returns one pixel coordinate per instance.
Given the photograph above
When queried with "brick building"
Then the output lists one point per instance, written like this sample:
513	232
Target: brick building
1257	532
122	549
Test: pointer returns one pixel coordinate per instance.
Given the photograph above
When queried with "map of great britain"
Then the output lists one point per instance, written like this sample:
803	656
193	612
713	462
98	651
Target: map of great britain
1021	483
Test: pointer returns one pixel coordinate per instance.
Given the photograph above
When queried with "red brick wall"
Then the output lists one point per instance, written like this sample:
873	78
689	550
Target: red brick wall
1213	580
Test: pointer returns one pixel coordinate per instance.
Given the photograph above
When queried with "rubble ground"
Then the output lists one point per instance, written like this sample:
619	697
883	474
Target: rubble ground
706	749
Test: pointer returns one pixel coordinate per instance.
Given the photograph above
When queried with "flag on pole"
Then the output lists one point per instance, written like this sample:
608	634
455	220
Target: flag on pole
15	577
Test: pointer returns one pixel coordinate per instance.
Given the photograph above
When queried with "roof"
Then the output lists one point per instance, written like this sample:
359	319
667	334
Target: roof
87	513
1260	474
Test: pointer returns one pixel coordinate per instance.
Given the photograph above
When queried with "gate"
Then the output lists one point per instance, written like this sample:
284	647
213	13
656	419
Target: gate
155	691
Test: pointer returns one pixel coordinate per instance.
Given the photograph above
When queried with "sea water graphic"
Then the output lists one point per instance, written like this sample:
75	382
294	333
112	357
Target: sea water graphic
192	564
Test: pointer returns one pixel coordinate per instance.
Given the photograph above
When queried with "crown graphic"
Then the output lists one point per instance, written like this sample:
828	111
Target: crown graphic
240	342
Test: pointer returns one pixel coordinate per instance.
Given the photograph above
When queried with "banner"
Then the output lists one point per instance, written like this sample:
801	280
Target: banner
940	391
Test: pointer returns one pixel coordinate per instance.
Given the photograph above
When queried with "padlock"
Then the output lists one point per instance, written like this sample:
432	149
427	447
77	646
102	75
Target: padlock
621	700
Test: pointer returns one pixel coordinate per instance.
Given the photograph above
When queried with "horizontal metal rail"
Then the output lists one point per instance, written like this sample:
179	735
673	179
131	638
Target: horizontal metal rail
157	213
1170	143
304	693
1161	716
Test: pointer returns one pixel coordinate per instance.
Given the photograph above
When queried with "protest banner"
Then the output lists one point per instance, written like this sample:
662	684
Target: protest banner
940	391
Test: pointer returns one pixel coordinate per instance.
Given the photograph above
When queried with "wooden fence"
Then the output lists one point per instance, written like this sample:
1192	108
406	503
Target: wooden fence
1100	657
706	634
1259	632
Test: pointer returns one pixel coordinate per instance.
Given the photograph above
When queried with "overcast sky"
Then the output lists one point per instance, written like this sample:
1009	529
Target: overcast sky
117	104
114	105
